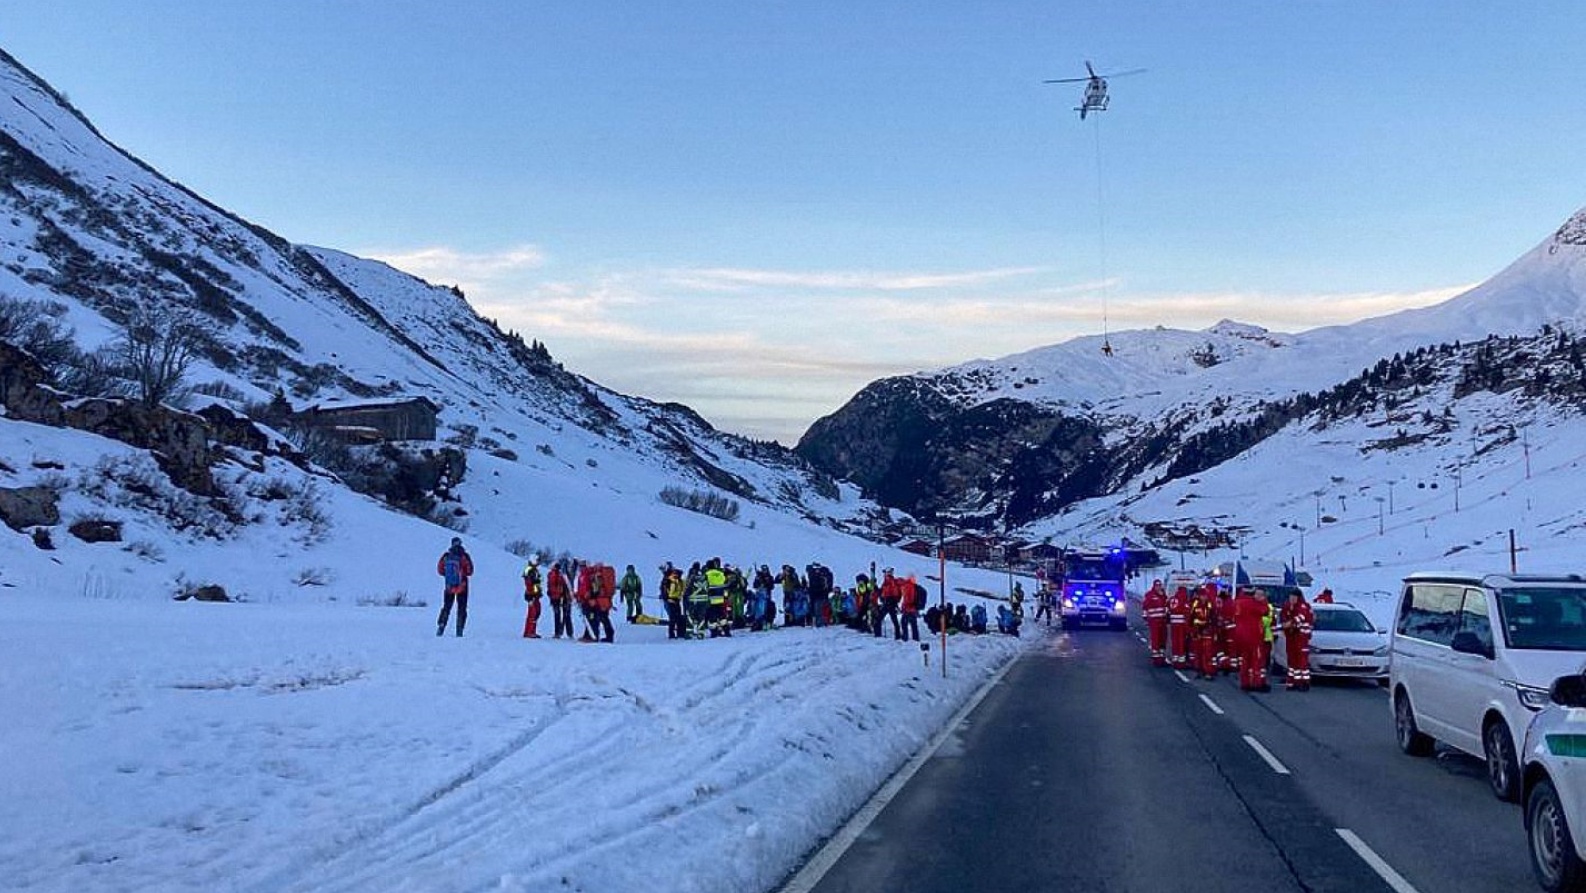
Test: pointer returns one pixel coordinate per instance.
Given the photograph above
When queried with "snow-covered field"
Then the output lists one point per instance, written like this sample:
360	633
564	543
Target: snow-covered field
311	738
192	746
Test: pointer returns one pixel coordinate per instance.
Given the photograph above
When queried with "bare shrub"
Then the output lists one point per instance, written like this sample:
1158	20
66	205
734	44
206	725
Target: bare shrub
702	501
156	347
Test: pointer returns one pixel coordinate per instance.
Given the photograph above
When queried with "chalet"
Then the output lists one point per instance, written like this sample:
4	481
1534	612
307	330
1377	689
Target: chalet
969	548
919	547
373	421
1040	552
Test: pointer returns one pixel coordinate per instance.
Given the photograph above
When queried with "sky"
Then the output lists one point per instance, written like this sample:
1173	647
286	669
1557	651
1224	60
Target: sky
756	209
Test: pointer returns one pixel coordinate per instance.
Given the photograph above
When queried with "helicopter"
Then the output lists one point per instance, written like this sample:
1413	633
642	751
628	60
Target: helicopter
1095	99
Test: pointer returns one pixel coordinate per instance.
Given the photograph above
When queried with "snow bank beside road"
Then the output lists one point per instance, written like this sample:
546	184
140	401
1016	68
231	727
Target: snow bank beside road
162	745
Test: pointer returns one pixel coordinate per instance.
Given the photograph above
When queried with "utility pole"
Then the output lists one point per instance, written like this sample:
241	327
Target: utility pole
941	552
1379	514
1390	496
1456	489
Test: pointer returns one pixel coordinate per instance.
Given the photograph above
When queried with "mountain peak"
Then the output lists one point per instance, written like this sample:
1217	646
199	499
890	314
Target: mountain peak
1233	329
1573	232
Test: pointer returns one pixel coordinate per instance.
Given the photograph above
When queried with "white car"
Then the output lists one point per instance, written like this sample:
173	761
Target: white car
1472	658
1554	788
1345	644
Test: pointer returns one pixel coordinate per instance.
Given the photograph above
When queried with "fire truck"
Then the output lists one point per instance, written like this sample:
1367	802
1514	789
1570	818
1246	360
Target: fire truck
1093	592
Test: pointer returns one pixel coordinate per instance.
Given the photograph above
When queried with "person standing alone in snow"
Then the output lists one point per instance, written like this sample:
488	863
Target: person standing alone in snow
455	567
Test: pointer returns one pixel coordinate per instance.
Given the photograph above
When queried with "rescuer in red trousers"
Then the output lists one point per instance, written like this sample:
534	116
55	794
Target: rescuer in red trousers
1298	620
532	594
1203	626
1249	612
1178	627
1153	607
1227	655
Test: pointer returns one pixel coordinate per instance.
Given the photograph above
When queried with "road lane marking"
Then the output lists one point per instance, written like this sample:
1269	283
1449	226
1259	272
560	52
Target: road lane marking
1377	863
1272	761
1210	703
1181	676
819	864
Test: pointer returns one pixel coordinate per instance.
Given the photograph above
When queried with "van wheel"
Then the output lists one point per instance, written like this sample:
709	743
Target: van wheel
1411	740
1503	770
1558	868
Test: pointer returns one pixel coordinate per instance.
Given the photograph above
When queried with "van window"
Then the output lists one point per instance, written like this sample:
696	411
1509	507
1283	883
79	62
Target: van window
1544	618
1473	618
1431	612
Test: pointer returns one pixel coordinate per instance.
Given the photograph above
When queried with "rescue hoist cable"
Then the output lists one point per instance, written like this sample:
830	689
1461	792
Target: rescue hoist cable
1101	228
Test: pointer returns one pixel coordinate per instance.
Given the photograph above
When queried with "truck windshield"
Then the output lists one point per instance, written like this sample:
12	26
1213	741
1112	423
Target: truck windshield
1544	618
1093	569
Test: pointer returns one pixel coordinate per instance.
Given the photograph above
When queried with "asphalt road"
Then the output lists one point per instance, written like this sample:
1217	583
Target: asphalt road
1086	769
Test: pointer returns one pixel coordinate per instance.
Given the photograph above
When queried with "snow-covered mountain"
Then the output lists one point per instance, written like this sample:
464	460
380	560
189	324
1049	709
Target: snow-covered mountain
94	235
1020	438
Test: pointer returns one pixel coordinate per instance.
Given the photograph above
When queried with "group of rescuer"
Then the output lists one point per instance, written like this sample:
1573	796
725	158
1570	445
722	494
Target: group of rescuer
1212	631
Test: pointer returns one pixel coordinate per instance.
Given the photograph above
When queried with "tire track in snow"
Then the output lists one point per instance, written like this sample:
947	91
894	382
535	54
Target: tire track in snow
552	790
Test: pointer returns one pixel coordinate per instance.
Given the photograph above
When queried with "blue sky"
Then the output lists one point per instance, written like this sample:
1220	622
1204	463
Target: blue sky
757	208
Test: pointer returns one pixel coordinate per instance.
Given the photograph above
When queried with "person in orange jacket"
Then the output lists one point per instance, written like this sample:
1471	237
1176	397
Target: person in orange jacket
1325	597
1298	621
595	597
1203	626
913	600
1153	607
532	593
561	594
455	567
891	600
1178	608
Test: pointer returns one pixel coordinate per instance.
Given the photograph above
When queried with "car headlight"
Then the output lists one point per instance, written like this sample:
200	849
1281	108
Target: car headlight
1120	606
1531	696
1068	603
1380	652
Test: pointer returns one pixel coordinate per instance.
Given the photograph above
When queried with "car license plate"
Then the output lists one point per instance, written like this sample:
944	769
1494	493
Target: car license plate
1351	662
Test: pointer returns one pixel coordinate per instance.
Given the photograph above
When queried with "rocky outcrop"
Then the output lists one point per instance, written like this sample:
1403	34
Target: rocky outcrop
23	391
178	440
911	447
230	428
24	507
96	530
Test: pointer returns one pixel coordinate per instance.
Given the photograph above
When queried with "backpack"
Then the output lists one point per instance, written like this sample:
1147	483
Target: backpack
452	570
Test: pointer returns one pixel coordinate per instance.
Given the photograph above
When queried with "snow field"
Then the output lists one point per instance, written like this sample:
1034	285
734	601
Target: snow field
178	746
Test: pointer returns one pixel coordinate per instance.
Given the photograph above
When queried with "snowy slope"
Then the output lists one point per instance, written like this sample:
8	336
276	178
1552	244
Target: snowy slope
1153	370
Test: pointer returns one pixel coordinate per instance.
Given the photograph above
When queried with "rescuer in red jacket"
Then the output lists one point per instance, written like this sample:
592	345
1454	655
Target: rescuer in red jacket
1298	620
1249	614
1227	657
561	595
1154	608
1178	608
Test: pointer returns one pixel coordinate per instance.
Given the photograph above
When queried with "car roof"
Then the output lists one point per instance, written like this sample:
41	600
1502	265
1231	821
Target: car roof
1495	581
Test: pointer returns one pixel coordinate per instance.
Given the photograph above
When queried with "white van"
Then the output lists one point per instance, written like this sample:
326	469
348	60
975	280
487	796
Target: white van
1472	658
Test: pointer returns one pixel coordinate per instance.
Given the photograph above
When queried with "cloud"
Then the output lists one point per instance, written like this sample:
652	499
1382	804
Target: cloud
722	279
765	351
468	269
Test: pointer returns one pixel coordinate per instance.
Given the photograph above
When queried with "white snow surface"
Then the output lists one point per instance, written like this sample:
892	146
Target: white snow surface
312	738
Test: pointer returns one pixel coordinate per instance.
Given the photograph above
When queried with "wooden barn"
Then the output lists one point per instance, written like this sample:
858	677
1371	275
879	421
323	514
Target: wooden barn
372	421
969	548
